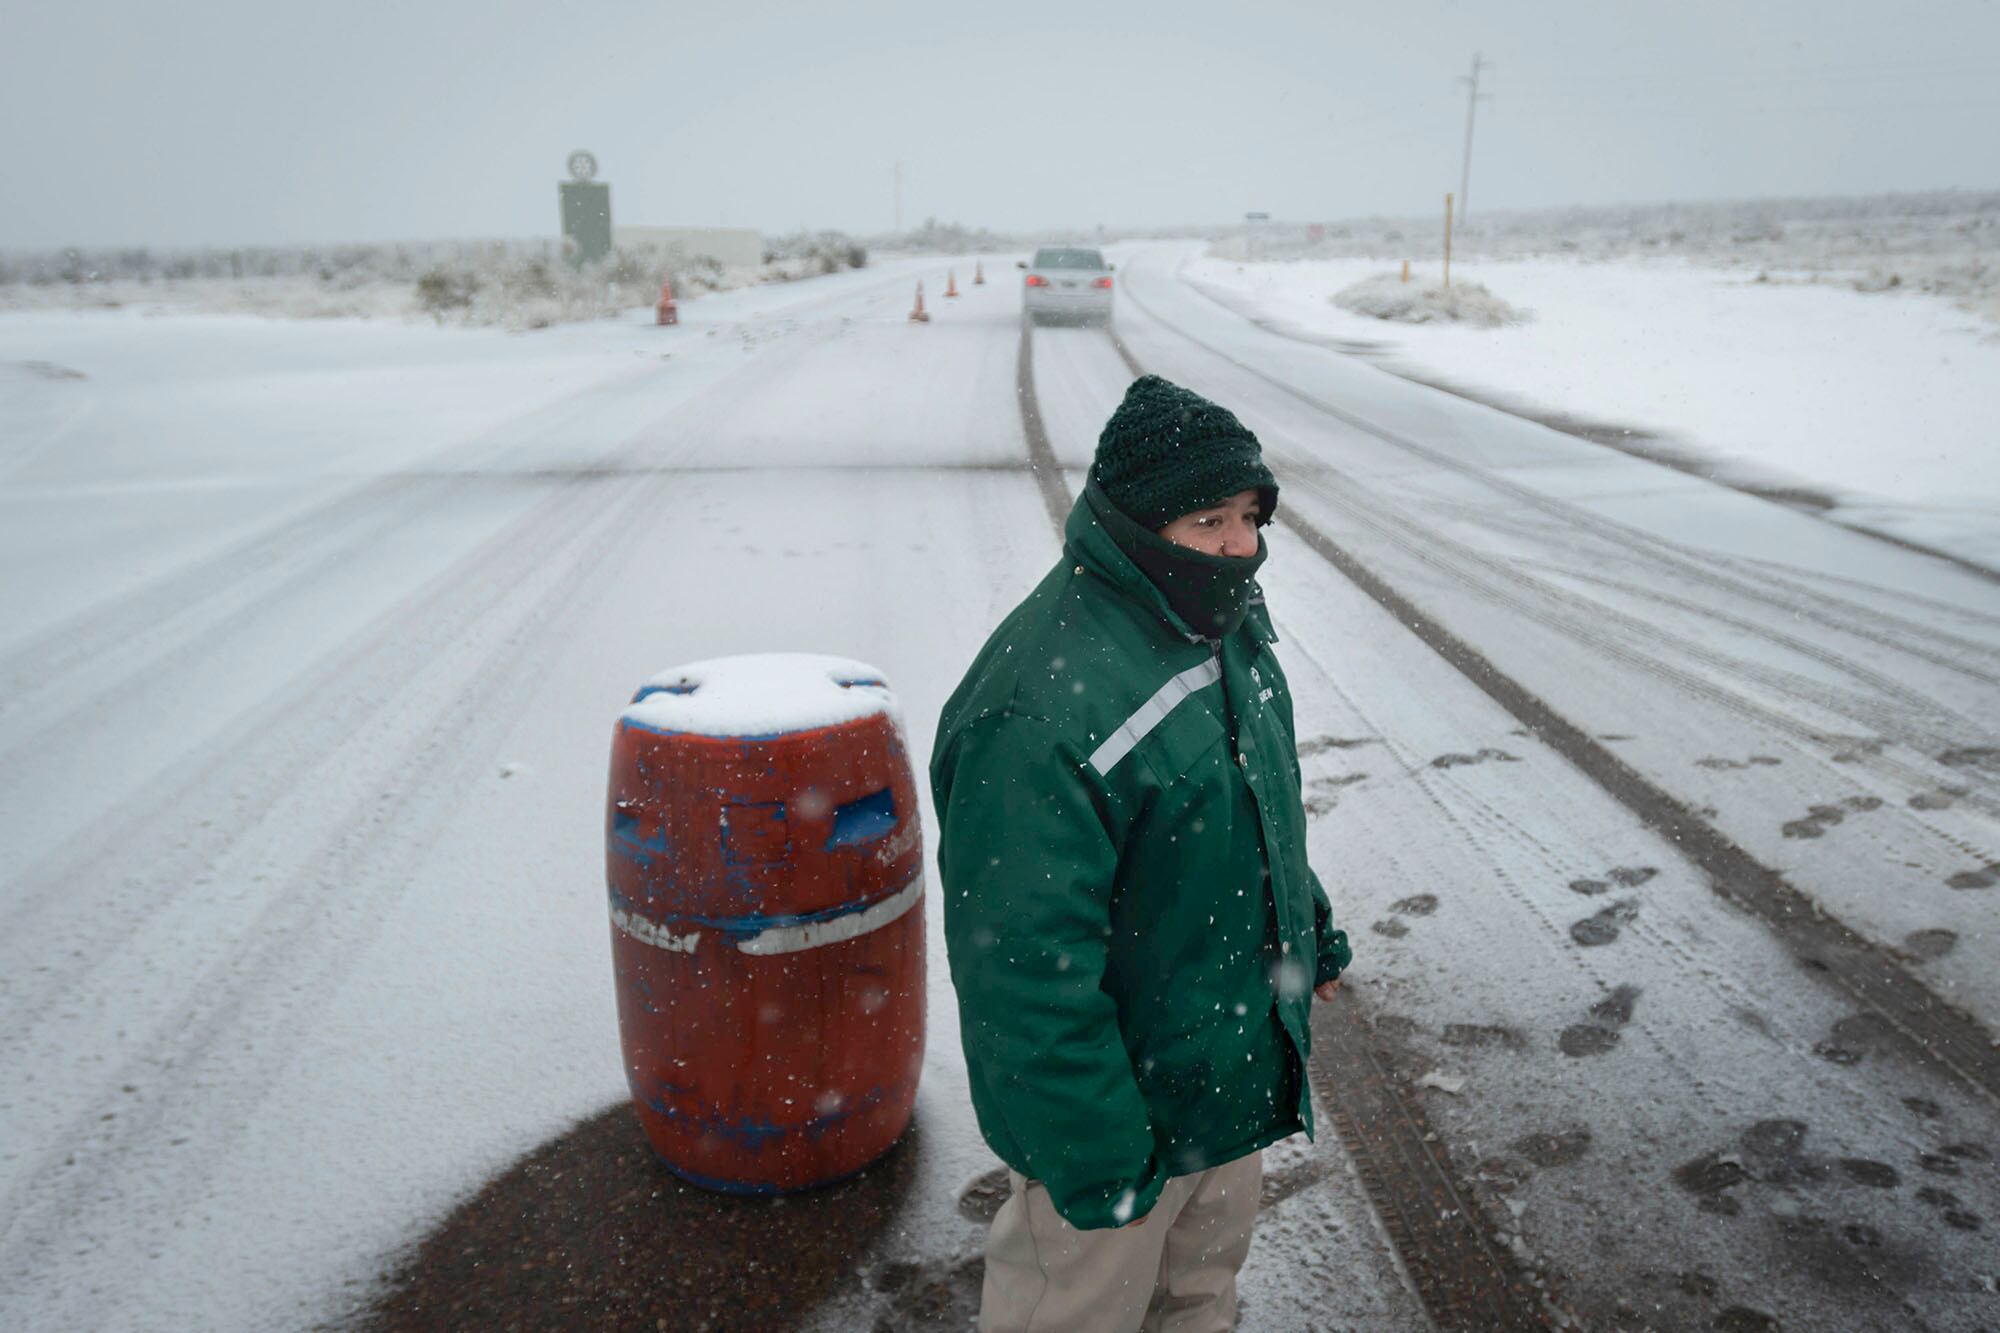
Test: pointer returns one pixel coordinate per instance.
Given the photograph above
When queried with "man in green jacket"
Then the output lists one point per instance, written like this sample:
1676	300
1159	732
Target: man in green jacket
1134	933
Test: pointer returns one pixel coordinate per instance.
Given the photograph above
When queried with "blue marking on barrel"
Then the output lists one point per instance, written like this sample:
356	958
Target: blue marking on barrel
626	842
756	1131
648	691
864	820
643	990
647	727
754	833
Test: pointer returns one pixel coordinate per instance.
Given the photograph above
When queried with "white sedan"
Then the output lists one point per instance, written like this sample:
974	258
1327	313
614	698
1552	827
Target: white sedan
1070	284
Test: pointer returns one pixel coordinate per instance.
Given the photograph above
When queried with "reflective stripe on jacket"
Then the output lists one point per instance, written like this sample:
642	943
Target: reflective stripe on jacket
1133	930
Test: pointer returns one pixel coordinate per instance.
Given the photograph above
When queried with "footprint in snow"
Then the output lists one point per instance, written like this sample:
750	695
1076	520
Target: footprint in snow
1482	756
1983	878
1480	1035
1929	945
1867	1171
1854	1038
1820	818
1604	926
1554	1149
1532	1152
1323	794
1321	744
1938	798
1601	1033
1629	876
1417	904
1709	1178
1955	1214
1731	765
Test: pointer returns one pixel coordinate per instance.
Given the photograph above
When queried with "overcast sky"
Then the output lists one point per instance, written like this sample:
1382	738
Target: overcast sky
204	122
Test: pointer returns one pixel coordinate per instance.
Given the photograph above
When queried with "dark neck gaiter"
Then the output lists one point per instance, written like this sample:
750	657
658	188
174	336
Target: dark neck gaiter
1210	593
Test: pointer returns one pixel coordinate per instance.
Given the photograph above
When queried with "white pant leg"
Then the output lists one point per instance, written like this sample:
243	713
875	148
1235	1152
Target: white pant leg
1045	1276
1206	1245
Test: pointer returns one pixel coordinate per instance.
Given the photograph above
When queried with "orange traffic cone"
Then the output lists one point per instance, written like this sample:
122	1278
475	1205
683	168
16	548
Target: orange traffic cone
666	312
921	315
978	274
950	283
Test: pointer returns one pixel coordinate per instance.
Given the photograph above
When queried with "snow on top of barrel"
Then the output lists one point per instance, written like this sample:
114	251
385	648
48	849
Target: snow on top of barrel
761	694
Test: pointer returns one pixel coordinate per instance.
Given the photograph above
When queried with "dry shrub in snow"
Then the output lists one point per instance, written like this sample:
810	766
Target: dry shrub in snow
1387	296
502	284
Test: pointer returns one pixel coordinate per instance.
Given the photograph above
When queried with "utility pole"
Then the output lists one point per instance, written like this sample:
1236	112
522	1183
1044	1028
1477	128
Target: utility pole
1472	100
899	198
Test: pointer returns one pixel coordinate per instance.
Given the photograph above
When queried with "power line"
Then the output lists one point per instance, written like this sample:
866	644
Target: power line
1471	104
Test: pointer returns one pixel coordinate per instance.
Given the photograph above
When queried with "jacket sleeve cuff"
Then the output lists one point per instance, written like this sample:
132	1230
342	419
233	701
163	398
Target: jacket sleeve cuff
1334	956
1097	1208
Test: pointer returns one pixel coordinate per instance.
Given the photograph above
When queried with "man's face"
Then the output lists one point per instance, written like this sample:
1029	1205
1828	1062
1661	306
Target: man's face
1229	528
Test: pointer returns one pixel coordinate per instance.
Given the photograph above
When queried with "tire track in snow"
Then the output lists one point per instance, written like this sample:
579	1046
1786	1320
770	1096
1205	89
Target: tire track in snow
1041	454
220	1048
122	626
518	587
301	544
1354	496
1585	621
1785	597
1930	1030
1588	623
120	885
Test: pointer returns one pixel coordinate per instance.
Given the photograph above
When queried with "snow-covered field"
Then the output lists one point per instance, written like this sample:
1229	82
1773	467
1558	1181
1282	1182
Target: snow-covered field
1882	404
313	635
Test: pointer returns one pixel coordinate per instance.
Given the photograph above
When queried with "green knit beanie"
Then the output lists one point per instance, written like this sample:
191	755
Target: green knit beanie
1167	452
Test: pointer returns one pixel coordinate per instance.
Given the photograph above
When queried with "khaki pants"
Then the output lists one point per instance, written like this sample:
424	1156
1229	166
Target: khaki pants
1176	1270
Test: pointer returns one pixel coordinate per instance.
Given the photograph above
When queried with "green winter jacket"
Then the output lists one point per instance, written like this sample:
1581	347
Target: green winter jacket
1133	930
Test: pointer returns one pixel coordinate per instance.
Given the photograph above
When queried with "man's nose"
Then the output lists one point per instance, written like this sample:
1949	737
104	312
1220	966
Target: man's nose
1241	541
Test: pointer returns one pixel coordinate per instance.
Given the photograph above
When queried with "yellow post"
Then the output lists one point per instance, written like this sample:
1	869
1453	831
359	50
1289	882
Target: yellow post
1447	242
1406	270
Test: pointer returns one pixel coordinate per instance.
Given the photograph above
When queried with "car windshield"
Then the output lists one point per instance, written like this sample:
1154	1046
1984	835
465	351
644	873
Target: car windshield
1068	259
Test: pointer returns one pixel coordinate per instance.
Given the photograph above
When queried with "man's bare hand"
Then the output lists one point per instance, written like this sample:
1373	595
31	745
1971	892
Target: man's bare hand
1325	990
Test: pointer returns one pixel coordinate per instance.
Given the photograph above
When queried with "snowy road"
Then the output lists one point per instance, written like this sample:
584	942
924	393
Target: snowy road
313	635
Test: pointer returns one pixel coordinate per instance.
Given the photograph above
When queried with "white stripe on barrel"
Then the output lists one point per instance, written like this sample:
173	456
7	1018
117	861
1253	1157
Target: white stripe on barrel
813	934
651	932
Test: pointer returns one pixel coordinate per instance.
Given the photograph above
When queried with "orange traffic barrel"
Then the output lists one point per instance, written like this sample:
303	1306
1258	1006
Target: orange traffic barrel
765	865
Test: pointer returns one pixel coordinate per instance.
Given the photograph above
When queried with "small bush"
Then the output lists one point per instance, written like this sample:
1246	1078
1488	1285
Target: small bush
444	289
1387	296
